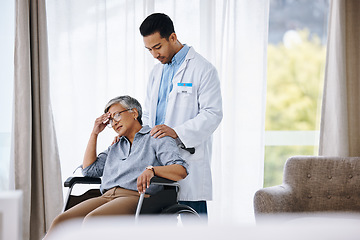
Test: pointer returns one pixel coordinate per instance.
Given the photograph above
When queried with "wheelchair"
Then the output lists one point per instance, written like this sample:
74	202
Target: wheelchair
165	202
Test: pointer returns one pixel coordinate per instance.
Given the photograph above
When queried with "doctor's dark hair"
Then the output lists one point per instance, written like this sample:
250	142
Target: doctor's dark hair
157	22
128	103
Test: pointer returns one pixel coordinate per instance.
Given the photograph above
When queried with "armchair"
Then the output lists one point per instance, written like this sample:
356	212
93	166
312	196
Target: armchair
313	184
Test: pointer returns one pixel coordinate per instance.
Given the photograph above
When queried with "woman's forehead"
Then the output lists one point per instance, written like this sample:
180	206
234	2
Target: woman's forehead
116	107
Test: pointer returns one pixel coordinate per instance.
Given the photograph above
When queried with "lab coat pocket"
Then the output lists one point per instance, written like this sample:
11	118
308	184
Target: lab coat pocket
186	99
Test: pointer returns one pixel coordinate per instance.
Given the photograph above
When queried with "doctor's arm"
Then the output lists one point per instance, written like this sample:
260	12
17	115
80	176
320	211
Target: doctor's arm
196	130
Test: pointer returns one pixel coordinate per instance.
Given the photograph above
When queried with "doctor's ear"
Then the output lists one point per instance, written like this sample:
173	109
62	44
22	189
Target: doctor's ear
173	37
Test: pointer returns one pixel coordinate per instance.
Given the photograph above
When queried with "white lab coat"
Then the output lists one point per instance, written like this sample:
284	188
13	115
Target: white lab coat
194	113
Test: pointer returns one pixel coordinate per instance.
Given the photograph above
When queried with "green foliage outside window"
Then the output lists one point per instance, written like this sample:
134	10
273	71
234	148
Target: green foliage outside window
275	158
294	90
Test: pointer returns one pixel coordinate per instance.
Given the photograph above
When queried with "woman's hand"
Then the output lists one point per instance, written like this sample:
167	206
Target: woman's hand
100	123
90	152
143	181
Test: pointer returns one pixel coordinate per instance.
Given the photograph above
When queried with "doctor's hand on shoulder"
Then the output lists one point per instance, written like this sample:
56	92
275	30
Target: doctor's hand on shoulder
116	139
163	130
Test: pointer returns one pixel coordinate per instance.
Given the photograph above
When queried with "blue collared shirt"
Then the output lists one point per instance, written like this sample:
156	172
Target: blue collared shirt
121	164
166	85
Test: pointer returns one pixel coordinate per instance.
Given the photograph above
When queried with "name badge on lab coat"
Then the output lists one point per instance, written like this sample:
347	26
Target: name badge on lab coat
184	87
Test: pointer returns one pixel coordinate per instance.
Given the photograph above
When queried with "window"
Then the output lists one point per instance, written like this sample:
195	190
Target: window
7	25
296	64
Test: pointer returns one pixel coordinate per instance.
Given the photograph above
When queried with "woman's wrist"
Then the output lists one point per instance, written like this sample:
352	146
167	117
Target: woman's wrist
151	168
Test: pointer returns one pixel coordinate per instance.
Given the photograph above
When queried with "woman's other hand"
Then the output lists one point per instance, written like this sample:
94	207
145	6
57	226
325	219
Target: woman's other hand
143	181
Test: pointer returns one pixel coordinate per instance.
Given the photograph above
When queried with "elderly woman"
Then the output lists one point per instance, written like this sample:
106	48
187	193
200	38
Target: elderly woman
127	166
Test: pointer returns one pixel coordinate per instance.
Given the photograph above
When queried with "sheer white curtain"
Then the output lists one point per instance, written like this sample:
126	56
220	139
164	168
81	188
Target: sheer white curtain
242	30
96	53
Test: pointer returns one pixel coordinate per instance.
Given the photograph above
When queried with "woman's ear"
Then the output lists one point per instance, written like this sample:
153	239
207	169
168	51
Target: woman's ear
135	113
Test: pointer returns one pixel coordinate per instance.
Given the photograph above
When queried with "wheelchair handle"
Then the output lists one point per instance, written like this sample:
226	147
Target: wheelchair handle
190	150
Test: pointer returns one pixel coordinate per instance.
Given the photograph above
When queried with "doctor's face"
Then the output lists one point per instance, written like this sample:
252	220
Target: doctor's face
161	48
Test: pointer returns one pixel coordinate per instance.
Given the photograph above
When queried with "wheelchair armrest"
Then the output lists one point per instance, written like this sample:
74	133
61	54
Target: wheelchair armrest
82	180
90	180
162	181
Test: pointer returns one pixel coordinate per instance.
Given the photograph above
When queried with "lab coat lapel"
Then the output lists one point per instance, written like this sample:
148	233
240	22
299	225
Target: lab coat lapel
173	94
178	78
155	94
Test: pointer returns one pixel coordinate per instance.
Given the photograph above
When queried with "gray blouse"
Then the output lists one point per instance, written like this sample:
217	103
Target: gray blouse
121	164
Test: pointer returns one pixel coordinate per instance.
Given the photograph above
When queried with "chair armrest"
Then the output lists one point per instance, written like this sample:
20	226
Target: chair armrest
81	180
277	199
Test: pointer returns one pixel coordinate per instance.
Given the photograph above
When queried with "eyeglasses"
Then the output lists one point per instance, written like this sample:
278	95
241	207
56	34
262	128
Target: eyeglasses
116	118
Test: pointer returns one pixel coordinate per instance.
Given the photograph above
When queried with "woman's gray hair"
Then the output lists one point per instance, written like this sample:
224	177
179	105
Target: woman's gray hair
128	103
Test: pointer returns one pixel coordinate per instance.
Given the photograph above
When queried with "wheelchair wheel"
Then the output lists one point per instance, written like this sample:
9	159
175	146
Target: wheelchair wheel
183	213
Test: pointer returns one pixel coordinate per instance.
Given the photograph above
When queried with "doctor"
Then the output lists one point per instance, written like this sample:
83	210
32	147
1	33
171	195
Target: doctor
184	102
